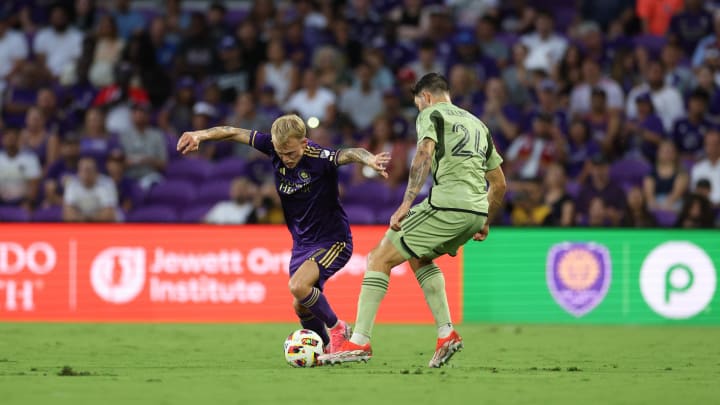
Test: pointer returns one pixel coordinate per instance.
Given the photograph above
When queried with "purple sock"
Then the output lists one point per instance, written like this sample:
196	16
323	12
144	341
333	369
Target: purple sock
310	321
319	306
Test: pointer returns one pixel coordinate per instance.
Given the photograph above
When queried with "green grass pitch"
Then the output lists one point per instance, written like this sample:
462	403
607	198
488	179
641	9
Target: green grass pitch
243	364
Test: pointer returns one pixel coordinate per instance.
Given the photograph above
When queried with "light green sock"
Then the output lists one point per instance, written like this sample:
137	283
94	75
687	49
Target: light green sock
374	287
432	283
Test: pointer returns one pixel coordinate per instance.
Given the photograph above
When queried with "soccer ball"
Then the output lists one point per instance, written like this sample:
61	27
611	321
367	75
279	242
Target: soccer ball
302	348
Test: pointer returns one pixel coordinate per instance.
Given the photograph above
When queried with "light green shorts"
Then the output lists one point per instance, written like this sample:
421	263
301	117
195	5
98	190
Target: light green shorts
429	232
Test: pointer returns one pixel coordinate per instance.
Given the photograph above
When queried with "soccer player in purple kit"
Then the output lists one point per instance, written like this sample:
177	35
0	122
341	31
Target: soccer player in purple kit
306	179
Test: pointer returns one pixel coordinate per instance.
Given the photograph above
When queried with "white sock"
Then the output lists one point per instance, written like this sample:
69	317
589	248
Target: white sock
445	330
359	339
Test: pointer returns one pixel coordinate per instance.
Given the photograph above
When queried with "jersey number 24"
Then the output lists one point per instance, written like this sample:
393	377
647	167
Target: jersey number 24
459	148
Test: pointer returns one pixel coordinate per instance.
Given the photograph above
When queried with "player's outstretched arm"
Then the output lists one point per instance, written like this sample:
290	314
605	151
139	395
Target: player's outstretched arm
419	170
190	141
496	194
359	155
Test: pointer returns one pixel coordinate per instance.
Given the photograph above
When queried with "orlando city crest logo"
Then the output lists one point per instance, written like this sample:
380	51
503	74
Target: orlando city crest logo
578	275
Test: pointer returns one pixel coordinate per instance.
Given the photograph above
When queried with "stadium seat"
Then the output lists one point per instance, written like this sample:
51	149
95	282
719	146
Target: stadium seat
195	213
367	193
382	216
195	170
629	171
13	214
665	218
153	213
49	214
229	168
171	192
213	191
360	214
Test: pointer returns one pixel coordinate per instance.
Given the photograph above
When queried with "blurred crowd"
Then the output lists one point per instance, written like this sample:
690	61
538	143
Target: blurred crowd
607	112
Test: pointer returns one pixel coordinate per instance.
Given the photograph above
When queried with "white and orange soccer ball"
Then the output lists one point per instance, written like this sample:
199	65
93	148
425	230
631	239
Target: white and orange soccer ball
302	348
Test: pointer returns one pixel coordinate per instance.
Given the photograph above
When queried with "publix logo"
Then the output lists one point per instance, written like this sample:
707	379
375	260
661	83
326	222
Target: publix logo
678	279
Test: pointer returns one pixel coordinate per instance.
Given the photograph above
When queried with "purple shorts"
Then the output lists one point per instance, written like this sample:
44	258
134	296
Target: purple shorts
329	256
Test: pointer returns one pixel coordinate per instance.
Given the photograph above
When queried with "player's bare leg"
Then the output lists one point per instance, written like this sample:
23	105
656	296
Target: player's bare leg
375	283
302	287
432	282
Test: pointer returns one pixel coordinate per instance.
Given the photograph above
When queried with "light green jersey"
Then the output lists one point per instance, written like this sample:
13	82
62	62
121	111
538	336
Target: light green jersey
464	152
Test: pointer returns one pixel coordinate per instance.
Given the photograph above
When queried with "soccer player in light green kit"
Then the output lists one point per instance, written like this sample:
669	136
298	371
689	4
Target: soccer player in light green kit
457	147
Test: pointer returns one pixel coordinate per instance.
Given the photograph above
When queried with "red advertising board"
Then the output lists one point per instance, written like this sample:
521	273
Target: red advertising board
183	273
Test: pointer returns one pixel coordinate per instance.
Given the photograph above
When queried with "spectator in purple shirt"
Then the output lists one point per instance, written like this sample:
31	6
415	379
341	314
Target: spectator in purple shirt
581	148
641	135
96	141
60	172
395	51
267	104
691	25
688	132
465	51
36	137
55	118
599	186
365	23
603	123
21	93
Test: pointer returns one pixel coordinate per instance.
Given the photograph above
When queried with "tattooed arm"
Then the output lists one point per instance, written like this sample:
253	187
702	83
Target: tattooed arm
359	155
419	170
190	141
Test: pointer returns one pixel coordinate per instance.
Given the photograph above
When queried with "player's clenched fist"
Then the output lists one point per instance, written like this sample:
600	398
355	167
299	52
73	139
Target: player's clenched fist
189	142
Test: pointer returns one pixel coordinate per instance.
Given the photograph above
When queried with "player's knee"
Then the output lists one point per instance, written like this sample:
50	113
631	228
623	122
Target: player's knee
298	289
377	261
419	263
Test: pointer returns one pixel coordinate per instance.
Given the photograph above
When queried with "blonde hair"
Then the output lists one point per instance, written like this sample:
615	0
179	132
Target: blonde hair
288	126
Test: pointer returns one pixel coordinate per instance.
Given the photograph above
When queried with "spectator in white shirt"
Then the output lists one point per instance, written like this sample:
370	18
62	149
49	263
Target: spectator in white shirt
240	209
60	45
13	49
145	148
709	168
20	171
91	196
581	96
667	100
362	103
546	48
311	100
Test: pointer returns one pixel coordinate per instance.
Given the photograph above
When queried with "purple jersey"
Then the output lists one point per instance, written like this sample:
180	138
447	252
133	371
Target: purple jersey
309	193
688	137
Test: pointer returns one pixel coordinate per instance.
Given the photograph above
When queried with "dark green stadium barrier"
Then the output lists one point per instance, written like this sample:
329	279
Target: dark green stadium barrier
593	276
